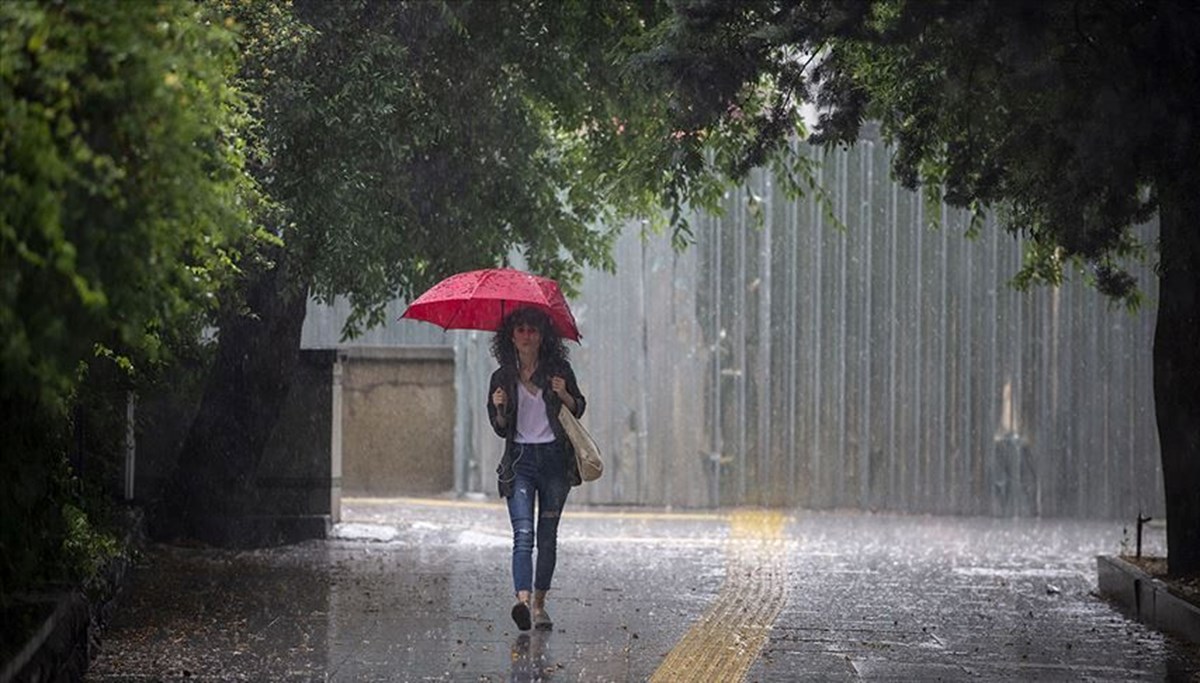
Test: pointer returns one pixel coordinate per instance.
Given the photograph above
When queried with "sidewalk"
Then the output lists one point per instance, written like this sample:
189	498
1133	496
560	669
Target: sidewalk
420	591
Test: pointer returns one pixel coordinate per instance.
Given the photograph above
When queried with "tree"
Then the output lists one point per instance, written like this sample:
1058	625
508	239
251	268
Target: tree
404	141
124	196
1073	120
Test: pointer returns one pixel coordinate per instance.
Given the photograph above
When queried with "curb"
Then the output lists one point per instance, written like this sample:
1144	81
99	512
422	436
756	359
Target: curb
59	649
63	646
1147	599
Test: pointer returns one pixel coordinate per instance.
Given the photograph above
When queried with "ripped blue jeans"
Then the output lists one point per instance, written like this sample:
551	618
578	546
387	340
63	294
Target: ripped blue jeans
540	480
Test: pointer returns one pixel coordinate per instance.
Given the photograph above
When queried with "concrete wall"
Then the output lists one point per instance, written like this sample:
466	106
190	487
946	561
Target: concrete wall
398	411
298	478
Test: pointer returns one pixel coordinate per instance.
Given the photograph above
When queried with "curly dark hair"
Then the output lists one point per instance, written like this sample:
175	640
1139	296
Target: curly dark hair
553	347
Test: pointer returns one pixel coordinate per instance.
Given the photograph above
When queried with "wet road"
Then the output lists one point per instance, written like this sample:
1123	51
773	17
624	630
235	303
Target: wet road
420	591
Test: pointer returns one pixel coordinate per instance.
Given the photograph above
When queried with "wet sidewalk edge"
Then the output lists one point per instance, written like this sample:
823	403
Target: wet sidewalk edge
61	647
1147	599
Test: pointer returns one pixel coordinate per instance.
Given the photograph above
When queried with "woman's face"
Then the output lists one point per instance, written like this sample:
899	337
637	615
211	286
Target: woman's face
527	338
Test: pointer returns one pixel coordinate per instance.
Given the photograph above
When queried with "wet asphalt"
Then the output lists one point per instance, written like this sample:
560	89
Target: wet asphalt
420	590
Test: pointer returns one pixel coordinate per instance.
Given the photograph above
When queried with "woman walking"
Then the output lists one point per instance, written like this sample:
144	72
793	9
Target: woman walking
538	467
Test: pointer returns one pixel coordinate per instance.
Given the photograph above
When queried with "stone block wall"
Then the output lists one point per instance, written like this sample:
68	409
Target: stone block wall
397	421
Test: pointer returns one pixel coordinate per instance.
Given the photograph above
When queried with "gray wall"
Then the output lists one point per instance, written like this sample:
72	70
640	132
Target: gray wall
890	366
883	365
298	477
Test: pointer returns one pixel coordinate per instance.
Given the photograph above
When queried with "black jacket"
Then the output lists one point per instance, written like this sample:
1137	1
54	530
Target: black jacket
506	377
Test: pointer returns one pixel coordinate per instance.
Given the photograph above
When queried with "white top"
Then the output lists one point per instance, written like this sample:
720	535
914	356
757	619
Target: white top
532	424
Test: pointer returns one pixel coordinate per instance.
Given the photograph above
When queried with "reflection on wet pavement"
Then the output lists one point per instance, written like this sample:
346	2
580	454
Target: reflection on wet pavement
420	591
532	659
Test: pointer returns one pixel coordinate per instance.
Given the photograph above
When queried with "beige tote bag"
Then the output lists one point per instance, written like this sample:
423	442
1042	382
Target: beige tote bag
587	453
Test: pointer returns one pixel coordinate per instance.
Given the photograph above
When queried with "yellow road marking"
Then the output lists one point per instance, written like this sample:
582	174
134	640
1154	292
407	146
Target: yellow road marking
724	643
727	639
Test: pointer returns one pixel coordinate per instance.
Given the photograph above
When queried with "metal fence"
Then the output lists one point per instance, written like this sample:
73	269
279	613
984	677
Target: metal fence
869	362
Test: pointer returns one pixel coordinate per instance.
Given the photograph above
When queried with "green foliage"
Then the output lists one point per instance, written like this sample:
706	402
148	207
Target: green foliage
59	521
1067	118
731	86
125	197
55	527
1016	105
404	141
122	173
86	548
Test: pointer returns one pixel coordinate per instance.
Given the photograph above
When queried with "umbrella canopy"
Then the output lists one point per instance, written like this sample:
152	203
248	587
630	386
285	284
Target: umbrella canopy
479	300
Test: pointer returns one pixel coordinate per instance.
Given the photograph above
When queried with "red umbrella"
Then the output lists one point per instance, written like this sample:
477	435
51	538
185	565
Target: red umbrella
479	300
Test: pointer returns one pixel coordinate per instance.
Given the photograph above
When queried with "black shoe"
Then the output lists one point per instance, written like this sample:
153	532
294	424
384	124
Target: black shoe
520	616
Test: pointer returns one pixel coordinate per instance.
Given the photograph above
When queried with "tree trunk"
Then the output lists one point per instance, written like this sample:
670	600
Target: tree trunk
1177	378
213	493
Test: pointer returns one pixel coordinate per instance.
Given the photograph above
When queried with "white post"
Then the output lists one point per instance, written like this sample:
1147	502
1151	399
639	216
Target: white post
130	443
335	447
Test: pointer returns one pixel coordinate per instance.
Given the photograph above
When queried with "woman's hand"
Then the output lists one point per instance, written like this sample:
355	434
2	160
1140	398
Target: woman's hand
559	386
500	400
